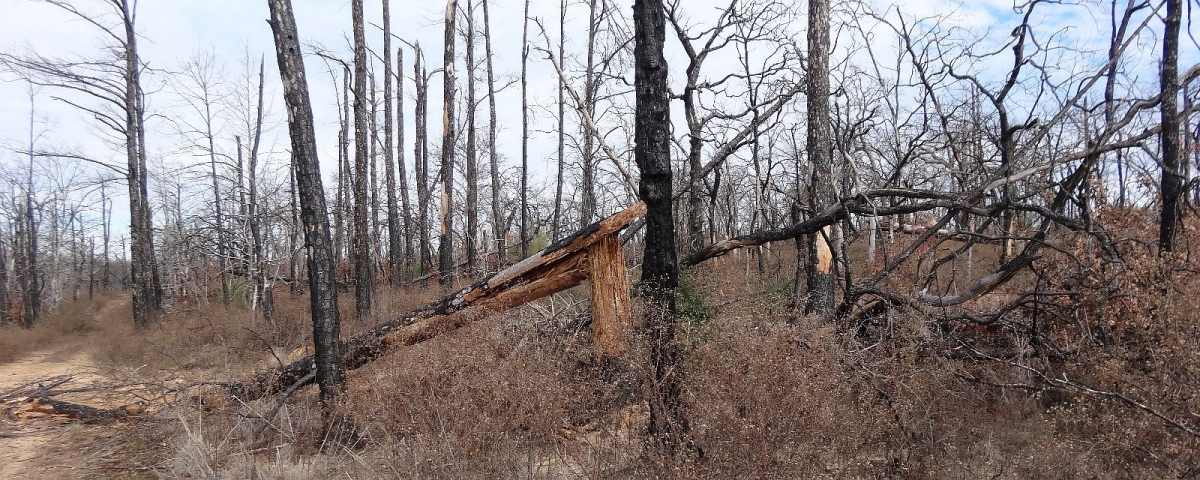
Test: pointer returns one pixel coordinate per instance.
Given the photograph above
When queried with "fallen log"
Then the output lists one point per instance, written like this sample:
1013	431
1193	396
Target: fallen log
74	411
556	268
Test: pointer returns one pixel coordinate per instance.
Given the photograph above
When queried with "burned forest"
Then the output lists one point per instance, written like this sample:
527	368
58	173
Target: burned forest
641	239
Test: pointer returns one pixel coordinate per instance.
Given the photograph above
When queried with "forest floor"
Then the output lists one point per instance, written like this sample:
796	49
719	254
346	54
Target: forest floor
518	394
36	445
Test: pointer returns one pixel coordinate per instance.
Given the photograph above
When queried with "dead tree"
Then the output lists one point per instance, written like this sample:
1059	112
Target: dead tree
364	274
525	132
330	372
597	9
821	187
28	275
200	90
395	251
421	158
405	200
652	151
446	240
115	82
262	293
4	306
1171	185
499	220
556	225
471	164
592	252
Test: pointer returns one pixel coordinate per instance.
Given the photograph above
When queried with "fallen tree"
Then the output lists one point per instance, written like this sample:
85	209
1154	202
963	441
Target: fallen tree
589	253
48	406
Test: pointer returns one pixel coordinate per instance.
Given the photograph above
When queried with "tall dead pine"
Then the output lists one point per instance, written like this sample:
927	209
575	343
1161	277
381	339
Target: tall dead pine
446	240
330	372
363	270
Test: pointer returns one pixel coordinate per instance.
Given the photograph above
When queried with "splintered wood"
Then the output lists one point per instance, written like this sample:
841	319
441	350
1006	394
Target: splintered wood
593	252
612	320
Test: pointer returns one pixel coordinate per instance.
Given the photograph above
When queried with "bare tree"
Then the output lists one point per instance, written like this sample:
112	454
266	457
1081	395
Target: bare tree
200	89
472	176
821	187
328	368
1171	186
525	132
116	83
395	251
262	294
363	271
421	76
405	202
597	10
4	305
659	267
499	220
446	240
556	225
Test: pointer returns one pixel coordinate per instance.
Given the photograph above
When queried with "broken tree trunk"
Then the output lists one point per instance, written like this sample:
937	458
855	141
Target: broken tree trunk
612	318
594	251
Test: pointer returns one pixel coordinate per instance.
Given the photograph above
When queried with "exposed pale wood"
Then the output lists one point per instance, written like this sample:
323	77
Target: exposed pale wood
612	319
557	268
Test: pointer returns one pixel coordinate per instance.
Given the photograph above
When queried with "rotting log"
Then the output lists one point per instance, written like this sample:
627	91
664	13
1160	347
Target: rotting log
560	266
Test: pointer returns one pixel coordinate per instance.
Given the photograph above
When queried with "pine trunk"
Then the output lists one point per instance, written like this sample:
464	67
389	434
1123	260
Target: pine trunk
363	272
395	251
330	372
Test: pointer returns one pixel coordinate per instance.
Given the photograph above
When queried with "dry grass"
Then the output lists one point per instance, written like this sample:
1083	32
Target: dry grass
768	395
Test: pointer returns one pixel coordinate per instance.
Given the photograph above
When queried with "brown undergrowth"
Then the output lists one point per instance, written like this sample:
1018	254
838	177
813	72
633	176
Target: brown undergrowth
1098	381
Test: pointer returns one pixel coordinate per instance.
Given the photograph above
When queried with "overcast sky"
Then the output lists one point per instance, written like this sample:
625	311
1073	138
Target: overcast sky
173	30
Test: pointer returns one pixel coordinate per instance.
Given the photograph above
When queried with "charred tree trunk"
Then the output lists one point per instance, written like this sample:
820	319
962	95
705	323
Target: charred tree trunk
499	223
1172	176
395	251
652	152
446	240
821	188
471	172
330	372
293	233
363	271
105	233
147	294
339	207
373	164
